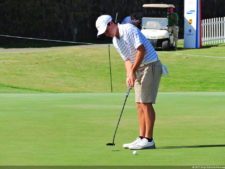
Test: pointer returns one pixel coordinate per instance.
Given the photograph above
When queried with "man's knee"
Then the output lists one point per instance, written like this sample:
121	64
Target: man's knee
147	105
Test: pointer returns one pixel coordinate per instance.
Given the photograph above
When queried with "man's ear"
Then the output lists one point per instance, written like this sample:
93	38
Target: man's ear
111	22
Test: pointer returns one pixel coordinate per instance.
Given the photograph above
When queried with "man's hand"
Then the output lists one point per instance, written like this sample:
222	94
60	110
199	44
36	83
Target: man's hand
131	68
130	79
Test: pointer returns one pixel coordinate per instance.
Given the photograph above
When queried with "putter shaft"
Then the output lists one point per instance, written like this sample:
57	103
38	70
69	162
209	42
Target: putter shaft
128	91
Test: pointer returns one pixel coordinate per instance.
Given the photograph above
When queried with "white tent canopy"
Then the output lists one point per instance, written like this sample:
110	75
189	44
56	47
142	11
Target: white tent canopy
158	6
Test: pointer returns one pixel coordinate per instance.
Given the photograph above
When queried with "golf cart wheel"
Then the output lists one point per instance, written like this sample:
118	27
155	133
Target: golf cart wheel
165	45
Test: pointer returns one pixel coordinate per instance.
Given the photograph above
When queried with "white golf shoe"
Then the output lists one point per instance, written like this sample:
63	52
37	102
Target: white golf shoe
138	139
143	144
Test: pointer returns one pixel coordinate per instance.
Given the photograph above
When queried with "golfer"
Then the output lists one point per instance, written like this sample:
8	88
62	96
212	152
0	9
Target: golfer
143	72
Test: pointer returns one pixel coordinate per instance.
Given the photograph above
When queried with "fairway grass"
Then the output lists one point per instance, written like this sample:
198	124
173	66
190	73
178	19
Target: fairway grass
72	129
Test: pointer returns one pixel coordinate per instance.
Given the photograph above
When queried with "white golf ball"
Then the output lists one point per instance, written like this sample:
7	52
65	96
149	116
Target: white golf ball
135	152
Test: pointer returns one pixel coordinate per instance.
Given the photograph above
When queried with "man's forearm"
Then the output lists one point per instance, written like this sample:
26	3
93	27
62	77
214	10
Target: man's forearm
139	57
174	19
132	68
128	67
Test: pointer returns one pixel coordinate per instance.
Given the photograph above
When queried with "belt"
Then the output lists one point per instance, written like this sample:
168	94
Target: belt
147	63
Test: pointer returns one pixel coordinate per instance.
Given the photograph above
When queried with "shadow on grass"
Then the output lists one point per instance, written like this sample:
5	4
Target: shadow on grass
192	146
8	43
27	89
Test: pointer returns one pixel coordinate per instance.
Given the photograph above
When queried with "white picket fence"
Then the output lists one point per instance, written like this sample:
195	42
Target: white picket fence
213	31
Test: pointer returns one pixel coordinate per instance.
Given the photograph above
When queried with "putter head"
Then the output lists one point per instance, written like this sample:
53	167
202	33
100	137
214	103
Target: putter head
110	144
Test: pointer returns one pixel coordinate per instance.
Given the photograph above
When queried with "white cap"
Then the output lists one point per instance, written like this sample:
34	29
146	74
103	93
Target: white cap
101	23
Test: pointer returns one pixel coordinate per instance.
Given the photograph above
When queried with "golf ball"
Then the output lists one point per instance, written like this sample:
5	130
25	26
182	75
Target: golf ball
135	152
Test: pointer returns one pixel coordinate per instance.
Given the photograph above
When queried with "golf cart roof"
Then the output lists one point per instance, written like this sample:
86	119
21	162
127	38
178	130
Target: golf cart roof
158	6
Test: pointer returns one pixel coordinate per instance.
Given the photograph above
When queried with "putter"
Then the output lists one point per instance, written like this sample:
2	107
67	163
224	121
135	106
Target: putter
113	143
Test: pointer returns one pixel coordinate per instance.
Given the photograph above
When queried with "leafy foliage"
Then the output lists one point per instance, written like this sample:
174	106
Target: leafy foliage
75	19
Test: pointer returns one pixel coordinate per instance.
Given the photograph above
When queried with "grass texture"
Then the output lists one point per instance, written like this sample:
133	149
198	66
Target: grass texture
73	129
86	69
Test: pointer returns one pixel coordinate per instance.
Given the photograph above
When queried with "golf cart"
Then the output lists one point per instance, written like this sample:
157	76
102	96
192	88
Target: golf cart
156	28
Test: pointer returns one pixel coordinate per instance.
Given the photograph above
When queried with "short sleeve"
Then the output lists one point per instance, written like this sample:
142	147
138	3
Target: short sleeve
136	37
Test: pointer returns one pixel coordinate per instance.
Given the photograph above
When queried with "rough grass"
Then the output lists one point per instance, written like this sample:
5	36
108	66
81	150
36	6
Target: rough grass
86	69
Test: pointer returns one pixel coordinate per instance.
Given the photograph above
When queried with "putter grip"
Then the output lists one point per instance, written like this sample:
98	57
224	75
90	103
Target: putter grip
128	90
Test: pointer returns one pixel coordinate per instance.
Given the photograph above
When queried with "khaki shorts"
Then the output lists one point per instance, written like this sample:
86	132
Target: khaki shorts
147	82
175	31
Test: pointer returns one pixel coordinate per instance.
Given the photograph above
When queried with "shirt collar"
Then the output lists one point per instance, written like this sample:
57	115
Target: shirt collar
120	31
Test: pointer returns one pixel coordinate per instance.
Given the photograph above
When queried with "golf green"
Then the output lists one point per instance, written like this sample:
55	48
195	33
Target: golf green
73	129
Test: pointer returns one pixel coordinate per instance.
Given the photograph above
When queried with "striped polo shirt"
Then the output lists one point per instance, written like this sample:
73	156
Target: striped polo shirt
130	39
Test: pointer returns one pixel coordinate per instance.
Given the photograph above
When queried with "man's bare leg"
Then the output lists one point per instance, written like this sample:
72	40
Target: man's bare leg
149	117
141	118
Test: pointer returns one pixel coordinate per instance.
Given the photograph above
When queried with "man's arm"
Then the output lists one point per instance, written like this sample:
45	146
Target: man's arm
130	69
175	19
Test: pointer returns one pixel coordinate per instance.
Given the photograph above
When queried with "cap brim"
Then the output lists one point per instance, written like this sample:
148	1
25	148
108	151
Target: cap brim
101	30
